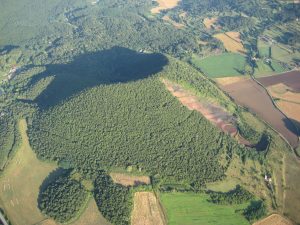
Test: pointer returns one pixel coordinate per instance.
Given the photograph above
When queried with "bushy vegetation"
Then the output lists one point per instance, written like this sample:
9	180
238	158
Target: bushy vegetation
62	199
236	196
113	200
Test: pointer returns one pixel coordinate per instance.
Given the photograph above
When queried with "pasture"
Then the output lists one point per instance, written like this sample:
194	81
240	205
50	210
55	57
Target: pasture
21	182
224	65
146	210
252	96
164	4
263	69
194	209
231	41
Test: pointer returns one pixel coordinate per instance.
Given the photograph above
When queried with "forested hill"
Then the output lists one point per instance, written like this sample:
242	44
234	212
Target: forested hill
135	123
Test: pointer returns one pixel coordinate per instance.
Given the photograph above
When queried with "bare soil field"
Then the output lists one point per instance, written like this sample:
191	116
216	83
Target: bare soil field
164	4
274	219
146	210
290	79
128	180
251	95
231	41
210	22
214	113
174	23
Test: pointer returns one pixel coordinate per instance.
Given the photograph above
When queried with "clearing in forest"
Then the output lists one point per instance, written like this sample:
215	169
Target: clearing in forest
195	209
274	219
174	23
212	112
129	180
231	41
164	4
251	95
209	23
20	183
147	210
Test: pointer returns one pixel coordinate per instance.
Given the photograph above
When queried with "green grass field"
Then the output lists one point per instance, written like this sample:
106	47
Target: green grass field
264	69
194	209
225	65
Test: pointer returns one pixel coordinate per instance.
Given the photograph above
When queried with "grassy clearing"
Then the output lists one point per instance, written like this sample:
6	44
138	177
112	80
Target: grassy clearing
21	181
224	65
194	209
210	22
129	180
164	4
231	41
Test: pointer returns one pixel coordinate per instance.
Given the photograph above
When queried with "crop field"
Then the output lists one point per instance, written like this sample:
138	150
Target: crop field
194	209
224	65
21	182
129	180
263	69
231	41
146	210
251	95
164	4
274	219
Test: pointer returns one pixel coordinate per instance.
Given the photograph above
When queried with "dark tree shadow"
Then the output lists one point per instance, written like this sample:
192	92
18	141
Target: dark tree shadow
115	65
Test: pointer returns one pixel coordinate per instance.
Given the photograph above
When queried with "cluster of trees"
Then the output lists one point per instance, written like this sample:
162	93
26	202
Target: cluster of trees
236	196
237	22
113	200
62	199
255	211
135	123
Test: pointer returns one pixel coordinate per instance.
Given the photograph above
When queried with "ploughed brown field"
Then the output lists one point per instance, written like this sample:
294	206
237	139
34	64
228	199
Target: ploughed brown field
290	79
251	95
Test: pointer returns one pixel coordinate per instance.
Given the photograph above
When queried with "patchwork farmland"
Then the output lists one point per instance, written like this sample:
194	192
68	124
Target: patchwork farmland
252	96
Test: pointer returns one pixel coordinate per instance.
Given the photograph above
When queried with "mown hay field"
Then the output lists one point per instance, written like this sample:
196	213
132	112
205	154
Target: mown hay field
147	210
274	219
19	185
210	22
231	41
129	180
194	209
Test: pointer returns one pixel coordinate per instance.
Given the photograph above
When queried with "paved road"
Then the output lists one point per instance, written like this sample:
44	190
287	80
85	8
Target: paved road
3	219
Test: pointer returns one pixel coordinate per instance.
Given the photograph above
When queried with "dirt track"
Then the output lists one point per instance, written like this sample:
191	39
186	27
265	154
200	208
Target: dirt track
251	95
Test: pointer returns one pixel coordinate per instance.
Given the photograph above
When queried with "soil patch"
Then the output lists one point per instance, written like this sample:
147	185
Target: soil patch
212	112
274	219
128	180
251	95
146	210
164	4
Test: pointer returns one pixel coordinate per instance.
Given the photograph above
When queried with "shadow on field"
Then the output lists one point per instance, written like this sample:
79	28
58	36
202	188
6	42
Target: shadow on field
115	65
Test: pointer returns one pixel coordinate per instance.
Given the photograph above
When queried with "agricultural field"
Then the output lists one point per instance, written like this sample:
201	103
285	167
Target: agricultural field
147	210
224	65
264	69
274	219
231	42
285	89
129	180
164	5
194	209
251	95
